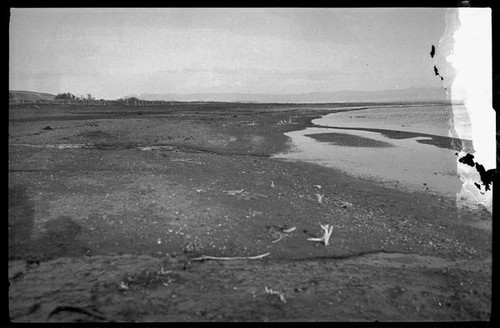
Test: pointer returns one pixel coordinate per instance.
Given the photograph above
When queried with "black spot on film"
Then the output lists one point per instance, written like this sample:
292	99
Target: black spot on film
467	159
486	176
436	72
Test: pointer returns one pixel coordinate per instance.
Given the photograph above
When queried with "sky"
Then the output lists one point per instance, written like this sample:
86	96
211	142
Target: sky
111	53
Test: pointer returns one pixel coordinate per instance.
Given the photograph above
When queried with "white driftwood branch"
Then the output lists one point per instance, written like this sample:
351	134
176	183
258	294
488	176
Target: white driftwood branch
205	257
273	292
327	232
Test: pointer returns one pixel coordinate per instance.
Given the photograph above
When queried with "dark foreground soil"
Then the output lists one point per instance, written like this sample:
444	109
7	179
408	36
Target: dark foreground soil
109	209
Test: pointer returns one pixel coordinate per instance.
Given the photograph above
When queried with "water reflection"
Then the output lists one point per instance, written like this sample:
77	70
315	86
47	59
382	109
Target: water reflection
408	164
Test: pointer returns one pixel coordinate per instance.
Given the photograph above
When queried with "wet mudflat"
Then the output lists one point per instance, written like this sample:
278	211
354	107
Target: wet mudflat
107	211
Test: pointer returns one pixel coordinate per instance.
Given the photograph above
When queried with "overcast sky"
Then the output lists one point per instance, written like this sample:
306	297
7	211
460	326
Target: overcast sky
111	53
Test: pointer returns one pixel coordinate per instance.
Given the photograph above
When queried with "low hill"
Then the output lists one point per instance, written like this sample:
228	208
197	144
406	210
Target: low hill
30	96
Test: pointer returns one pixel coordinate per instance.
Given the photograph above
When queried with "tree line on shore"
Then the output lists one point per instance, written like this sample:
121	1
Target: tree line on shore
88	99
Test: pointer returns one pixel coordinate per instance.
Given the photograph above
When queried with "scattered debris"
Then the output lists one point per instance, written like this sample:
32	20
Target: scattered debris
285	122
148	279
68	146
163	272
205	257
201	190
254	213
245	123
241	194
342	204
233	192
99	146
327	232
148	148
320	198
273	292
191	247
280	233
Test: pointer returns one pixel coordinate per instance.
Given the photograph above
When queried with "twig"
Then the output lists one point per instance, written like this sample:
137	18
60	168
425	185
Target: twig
185	161
205	257
281	237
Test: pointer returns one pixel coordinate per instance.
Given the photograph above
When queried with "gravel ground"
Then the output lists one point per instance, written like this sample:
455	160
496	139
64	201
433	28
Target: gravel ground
108	209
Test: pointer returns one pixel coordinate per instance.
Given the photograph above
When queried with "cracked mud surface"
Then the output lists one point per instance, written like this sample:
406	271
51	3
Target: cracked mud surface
105	231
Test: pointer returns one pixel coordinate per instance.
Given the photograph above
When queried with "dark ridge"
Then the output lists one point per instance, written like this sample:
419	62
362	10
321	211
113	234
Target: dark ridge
438	141
343	139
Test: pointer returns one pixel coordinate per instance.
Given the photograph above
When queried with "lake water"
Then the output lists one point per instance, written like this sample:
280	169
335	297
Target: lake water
408	161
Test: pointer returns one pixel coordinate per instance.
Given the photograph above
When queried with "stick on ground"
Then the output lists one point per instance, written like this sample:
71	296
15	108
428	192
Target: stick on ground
205	257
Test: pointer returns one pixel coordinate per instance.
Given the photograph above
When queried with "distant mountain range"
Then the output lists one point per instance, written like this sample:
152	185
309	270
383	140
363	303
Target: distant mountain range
410	95
30	95
401	95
